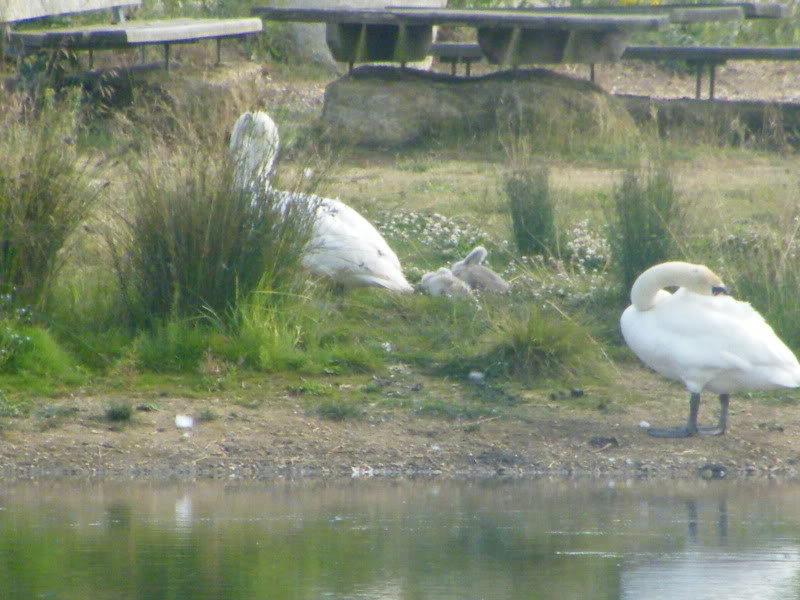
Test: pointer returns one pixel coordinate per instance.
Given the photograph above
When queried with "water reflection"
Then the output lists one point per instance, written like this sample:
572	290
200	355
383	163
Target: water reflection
701	571
378	539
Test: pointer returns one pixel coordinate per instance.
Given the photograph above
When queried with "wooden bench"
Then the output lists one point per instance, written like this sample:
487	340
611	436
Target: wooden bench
710	57
118	34
701	57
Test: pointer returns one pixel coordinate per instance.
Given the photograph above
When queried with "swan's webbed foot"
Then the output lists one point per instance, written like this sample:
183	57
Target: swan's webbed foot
676	432
709	430
681	432
692	428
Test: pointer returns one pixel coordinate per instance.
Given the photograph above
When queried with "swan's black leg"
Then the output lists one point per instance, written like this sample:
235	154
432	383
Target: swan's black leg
691	424
723	418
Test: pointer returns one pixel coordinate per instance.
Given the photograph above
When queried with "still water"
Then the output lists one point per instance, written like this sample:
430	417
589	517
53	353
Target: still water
411	540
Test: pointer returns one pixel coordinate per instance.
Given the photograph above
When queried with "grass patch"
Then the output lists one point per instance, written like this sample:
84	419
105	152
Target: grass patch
46	192
540	346
532	211
646	219
119	412
451	411
340	410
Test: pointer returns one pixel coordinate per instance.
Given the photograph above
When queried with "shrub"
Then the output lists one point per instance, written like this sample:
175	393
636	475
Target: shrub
532	211
192	244
542	345
645	217
764	269
176	347
46	192
119	411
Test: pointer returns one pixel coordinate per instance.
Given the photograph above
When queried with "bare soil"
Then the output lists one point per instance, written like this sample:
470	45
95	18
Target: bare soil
280	434
276	434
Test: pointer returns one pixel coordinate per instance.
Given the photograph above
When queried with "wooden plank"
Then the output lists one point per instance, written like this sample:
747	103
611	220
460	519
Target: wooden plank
690	14
751	10
712	53
134	33
678	14
21	10
465	17
325	15
453	50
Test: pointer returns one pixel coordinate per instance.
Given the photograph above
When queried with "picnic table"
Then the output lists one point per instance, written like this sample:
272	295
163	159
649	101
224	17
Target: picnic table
506	36
120	33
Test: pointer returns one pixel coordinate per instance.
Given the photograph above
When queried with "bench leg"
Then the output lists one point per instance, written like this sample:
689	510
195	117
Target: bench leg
91	59
698	85
141	54
166	57
711	80
591	72
453	67
467	67
219	51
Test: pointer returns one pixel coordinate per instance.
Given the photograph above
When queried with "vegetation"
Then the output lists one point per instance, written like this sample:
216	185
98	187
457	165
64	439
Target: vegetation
646	223
532	211
128	256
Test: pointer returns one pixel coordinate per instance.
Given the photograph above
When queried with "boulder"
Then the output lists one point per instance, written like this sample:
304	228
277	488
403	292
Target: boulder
392	107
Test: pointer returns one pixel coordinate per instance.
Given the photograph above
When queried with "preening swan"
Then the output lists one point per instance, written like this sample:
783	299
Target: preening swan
254	145
348	250
476	275
444	283
701	336
344	247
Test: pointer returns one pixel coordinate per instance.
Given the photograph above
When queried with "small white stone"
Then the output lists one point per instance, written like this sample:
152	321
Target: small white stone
184	422
387	347
476	376
644	425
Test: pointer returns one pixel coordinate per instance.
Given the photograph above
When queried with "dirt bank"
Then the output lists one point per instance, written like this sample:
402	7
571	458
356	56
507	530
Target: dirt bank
283	435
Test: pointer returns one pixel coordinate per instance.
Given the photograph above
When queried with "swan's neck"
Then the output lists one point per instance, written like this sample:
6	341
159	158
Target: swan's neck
648	284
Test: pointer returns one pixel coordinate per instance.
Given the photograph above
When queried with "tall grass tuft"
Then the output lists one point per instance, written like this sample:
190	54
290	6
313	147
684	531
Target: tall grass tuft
645	218
193	244
763	268
542	345
532	210
46	192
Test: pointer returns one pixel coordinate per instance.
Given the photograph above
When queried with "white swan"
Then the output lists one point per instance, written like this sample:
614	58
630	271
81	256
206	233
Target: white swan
704	338
254	145
344	247
476	275
444	283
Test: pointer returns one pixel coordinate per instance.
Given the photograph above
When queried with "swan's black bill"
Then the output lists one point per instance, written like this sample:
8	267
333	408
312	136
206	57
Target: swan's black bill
719	290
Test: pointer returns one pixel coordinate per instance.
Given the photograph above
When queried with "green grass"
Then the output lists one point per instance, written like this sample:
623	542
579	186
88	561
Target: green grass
646	221
532	211
46	192
119	412
155	311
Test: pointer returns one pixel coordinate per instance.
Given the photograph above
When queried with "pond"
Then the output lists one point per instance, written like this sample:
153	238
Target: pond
401	539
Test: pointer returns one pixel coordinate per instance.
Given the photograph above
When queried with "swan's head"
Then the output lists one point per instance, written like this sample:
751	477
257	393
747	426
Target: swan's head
698	279
254	148
476	257
702	280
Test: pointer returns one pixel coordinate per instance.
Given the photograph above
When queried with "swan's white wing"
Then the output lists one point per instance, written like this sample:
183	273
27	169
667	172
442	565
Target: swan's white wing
709	341
342	217
345	247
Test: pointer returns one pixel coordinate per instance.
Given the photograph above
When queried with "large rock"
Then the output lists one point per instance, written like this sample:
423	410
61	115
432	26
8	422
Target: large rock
390	107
